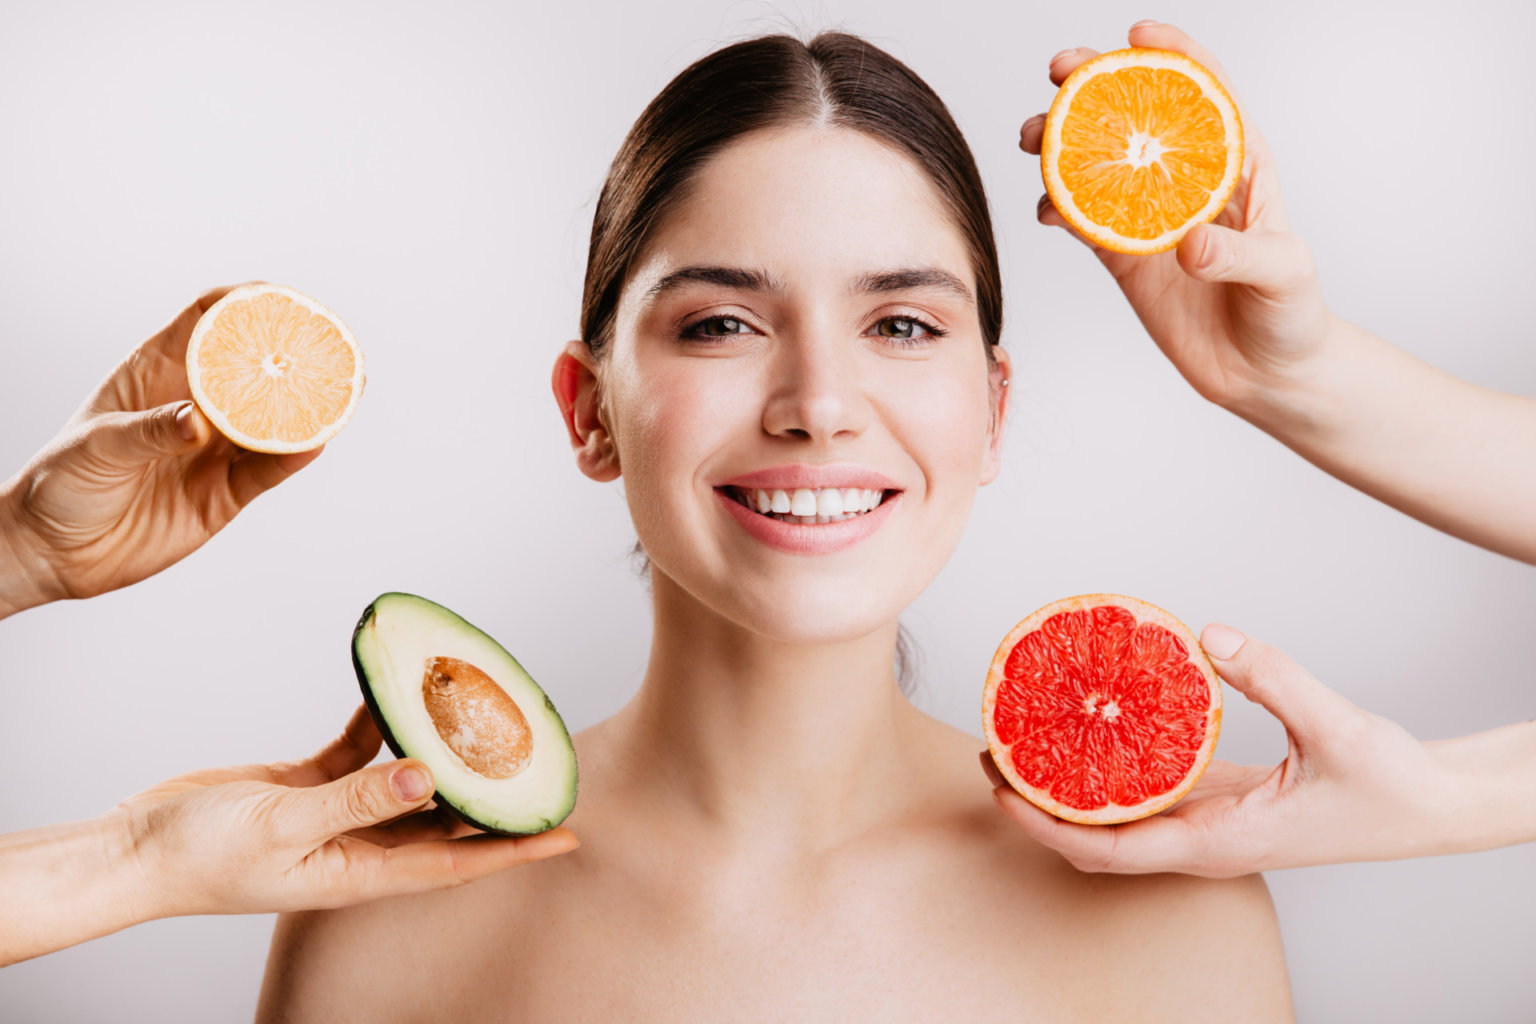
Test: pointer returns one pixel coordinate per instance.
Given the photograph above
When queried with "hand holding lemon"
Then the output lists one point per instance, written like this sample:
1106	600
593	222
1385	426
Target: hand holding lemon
138	478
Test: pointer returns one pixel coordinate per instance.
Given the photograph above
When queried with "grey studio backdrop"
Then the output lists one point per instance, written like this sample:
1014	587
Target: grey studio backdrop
429	172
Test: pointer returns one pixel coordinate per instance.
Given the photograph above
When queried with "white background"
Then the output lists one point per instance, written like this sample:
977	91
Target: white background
429	170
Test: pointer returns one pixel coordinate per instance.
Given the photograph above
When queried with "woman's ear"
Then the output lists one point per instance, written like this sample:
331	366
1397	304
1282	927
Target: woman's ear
998	387
575	385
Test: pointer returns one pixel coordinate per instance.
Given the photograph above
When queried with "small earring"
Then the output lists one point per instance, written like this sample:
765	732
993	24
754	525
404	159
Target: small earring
1005	382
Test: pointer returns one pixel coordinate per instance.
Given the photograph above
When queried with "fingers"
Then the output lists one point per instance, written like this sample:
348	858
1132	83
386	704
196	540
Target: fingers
1267	677
423	867
367	797
431	824
1068	61
1158	36
358	743
130	440
1061	65
1147	846
1278	264
253	473
171	340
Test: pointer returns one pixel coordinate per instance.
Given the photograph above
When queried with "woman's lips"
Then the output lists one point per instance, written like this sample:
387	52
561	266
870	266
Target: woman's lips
807	538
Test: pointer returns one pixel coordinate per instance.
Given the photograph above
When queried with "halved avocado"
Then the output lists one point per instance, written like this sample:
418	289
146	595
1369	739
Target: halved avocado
445	693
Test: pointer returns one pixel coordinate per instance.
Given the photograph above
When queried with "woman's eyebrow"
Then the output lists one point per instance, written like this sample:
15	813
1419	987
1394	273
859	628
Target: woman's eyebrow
911	278
727	277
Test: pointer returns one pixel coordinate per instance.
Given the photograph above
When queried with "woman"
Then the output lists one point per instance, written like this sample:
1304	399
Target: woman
789	354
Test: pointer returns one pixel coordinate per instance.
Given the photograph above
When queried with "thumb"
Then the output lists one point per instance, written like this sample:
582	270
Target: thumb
1277	263
367	797
1270	679
133	438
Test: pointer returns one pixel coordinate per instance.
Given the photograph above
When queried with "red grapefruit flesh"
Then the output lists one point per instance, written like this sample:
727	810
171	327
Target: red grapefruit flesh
1101	708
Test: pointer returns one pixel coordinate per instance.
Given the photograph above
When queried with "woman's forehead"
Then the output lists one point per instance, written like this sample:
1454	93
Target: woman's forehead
807	206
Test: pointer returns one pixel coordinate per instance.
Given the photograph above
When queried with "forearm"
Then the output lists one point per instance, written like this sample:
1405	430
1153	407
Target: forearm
1459	457
64	884
1493	778
20	568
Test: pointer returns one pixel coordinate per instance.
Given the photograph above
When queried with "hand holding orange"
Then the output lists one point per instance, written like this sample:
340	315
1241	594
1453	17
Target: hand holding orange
1148	155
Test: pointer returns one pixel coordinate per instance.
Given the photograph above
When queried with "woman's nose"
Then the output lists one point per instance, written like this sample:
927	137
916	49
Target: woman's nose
815	393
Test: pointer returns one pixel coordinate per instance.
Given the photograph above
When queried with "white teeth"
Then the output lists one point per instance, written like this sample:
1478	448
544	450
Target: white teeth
829	502
805	505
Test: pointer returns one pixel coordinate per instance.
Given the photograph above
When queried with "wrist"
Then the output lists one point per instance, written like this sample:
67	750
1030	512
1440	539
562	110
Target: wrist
66	884
1296	401
1491	787
131	856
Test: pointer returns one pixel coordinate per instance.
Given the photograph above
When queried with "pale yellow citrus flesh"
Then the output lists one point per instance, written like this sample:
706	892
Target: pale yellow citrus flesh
1139	147
274	370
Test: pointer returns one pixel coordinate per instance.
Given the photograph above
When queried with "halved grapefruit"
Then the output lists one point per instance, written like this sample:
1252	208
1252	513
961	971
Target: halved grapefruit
273	369
1101	709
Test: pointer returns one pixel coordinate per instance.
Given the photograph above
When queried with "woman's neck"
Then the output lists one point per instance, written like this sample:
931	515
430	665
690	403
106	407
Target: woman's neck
771	742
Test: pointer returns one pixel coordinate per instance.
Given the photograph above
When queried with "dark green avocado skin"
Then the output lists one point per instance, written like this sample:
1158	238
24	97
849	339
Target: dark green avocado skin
389	736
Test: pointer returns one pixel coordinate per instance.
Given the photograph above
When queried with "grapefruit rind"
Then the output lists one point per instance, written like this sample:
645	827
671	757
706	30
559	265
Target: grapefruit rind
220	419
1112	813
1051	146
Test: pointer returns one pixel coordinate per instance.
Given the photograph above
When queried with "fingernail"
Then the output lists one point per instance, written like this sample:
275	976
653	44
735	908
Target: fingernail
1042	203
990	767
410	783
1221	642
1037	119
184	425
1146	23
1064	53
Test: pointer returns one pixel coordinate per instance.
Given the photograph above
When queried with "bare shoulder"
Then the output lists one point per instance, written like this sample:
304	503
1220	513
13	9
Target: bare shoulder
1182	947
404	958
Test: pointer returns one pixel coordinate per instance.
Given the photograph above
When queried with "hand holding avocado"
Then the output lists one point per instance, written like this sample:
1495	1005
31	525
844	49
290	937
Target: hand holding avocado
137	480
321	832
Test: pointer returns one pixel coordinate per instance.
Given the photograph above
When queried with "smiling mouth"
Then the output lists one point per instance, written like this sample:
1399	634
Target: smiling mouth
805	506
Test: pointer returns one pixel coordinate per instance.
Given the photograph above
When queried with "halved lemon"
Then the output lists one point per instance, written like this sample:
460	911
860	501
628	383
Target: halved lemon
1141	145
274	370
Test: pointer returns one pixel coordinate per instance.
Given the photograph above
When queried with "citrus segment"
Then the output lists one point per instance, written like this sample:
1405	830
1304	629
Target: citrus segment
1140	146
1101	708
274	370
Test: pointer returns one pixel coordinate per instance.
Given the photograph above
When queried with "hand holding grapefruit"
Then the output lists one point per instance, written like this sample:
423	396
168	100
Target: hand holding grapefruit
1101	709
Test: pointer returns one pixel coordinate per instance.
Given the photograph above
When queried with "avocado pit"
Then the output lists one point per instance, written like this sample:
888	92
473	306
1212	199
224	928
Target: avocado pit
476	718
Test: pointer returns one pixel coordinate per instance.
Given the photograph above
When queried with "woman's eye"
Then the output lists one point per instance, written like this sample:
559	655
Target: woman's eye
906	329
716	327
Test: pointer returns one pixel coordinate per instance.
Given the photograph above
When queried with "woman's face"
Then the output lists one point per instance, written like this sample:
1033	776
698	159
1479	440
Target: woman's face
802	329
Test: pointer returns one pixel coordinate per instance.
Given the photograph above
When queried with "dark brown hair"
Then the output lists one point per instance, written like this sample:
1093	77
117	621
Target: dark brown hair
835	79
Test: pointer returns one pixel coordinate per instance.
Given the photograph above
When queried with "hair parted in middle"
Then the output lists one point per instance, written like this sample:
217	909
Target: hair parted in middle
835	80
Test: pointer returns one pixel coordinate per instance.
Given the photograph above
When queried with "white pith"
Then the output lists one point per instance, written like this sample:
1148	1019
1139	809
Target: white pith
806	505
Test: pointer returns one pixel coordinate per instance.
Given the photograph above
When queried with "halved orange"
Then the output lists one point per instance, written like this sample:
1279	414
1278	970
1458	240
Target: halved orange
1101	709
1141	145
273	369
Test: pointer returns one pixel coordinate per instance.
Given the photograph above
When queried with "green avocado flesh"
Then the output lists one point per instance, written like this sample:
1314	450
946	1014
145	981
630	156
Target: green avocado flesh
446	694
